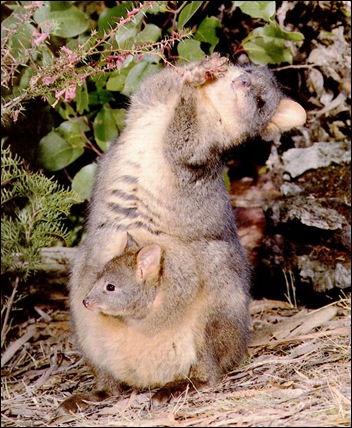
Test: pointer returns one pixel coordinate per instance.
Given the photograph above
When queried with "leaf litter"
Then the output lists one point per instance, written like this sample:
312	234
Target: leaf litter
297	373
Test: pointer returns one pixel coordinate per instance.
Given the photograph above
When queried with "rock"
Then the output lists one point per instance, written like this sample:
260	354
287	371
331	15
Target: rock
298	161
290	189
305	251
309	212
321	276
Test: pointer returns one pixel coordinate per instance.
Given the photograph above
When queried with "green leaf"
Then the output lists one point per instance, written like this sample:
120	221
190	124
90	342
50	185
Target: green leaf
56	153
66	23
110	16
19	42
83	181
258	9
150	34
264	51
58	5
105	130
274	30
207	32
267	45
116	81
119	115
64	109
48	56
137	74
26	77
100	96
157	7
187	13
82	98
190	50
71	131
126	34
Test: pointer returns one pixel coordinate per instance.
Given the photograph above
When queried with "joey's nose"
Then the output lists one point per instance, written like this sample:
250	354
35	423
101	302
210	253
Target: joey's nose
242	81
91	304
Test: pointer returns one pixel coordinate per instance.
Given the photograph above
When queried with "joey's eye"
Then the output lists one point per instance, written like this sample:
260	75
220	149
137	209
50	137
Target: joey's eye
260	102
110	287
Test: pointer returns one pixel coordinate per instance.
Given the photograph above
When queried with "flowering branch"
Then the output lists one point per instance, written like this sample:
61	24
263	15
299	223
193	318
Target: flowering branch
59	79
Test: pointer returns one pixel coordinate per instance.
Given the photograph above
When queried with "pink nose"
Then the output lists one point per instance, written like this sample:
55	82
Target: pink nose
242	81
89	304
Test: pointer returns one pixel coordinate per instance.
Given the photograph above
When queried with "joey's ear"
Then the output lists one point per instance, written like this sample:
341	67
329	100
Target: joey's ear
148	262
288	115
131	243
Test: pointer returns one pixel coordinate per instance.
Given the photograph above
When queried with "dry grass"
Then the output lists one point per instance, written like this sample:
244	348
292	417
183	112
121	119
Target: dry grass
297	374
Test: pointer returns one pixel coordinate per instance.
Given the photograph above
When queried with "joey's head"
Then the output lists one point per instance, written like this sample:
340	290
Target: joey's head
128	284
248	103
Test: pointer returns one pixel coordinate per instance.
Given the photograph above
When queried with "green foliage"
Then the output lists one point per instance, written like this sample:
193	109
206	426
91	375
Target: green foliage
207	32
65	19
268	44
88	76
258	9
63	145
83	181
186	14
33	210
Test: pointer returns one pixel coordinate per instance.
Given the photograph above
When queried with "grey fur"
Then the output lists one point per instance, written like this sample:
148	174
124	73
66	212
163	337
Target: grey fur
162	182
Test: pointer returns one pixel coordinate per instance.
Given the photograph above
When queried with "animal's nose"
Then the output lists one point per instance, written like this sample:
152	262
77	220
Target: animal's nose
242	81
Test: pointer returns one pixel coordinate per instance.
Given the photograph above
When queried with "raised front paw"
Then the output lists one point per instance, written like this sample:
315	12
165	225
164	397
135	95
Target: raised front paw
215	66
211	68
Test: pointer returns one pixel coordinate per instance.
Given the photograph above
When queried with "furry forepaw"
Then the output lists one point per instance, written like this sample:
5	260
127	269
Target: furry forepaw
215	66
168	392
80	402
211	68
173	390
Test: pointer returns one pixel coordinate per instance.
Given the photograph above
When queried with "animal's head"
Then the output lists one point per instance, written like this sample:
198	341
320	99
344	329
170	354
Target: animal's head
249	103
127	285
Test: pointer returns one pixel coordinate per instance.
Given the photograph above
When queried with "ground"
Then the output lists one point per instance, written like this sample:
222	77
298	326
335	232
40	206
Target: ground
297	374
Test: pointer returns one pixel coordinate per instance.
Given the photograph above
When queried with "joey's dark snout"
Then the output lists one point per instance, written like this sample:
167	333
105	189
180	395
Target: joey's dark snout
242	81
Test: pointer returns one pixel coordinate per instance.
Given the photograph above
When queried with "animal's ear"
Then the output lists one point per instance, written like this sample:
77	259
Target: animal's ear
131	243
288	115
148	262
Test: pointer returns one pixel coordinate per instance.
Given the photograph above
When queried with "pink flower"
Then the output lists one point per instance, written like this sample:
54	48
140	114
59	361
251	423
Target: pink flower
66	50
40	39
58	94
34	5
48	80
70	93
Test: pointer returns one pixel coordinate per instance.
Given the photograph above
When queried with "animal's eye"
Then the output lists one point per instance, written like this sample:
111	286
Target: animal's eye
110	287
260	102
